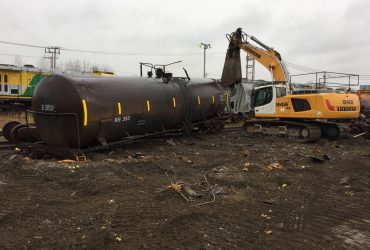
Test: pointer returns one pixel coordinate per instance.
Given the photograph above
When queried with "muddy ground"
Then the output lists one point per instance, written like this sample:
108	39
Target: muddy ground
121	199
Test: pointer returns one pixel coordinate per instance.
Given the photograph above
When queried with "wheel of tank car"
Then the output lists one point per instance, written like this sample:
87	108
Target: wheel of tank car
221	125
37	154
187	130
305	133
14	136
8	128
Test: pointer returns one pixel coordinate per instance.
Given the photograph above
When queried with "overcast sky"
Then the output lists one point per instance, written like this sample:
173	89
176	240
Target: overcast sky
321	34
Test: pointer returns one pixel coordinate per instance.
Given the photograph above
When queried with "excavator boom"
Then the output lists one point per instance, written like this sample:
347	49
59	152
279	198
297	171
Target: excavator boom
270	59
266	56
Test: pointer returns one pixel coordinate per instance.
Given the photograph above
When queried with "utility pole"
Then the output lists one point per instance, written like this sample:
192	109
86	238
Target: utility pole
205	46
53	52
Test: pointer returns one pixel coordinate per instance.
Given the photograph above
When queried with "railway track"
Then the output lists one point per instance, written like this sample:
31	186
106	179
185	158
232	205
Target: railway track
6	145
3	143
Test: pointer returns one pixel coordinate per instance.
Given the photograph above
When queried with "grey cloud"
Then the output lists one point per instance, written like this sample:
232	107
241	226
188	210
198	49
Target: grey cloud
318	34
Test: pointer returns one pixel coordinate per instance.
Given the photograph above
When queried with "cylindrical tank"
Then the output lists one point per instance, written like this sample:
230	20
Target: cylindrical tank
79	111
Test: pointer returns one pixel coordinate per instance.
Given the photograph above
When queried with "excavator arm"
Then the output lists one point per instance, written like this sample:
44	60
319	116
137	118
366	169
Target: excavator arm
266	56
269	58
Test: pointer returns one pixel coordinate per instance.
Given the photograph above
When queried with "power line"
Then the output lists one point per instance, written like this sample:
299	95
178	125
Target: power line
23	44
132	53
289	64
112	52
7	54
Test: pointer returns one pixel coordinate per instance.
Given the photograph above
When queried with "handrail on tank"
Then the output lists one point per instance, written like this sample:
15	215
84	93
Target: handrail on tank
57	115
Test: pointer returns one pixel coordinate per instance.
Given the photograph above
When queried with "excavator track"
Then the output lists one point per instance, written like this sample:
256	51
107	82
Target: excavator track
332	130
303	131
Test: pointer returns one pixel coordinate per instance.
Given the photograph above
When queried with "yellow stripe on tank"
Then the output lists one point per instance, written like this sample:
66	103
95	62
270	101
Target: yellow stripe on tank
198	100
119	108
85	112
148	105
174	102
213	99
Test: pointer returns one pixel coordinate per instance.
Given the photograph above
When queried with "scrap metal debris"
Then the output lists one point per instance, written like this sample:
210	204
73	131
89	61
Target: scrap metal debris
171	142
191	192
188	191
218	190
320	158
345	180
361	134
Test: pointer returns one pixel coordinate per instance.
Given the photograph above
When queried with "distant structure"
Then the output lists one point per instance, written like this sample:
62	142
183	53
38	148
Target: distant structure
365	86
250	68
17	84
52	53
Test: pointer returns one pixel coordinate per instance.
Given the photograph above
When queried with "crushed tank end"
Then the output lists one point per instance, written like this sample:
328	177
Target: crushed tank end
232	71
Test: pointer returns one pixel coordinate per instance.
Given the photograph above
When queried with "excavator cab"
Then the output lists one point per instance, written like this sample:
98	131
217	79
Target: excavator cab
265	98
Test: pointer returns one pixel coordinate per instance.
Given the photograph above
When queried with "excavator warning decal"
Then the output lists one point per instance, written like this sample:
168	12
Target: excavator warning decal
253	52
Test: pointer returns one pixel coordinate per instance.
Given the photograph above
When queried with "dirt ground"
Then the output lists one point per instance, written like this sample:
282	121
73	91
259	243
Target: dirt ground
121	199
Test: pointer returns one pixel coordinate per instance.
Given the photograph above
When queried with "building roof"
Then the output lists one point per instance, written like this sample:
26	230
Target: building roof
28	67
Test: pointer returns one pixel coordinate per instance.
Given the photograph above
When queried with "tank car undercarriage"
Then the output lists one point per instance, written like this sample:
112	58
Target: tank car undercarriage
25	137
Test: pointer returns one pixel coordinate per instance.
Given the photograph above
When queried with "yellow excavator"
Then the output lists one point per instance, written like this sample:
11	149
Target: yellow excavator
273	107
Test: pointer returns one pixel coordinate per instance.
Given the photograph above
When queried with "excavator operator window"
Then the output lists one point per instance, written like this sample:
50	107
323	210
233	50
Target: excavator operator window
280	92
263	96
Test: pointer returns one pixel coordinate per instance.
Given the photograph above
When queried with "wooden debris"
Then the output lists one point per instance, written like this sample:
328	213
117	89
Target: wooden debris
267	231
246	153
274	166
67	161
208	202
175	187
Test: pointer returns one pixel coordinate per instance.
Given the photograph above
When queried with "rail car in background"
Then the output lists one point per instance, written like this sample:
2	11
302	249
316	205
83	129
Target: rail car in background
17	84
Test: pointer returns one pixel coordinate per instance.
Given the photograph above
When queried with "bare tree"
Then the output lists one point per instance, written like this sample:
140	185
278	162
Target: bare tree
95	67
73	65
106	68
60	66
86	67
18	60
82	66
43	63
102	67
